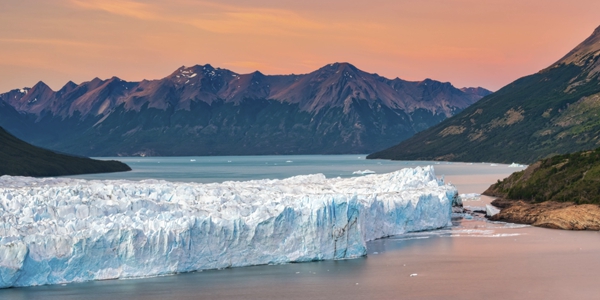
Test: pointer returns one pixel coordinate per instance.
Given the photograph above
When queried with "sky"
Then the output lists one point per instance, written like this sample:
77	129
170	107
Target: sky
466	42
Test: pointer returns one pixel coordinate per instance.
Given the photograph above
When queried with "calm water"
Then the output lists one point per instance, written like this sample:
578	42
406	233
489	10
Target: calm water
474	259
239	168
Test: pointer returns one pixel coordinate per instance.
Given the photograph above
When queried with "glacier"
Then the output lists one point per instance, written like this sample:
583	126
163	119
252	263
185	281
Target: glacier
61	230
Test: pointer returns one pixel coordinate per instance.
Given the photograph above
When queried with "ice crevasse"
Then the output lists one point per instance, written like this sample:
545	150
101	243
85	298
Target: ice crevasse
59	230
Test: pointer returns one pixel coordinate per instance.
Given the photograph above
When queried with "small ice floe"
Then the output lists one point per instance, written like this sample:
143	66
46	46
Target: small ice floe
470	197
228	161
480	209
289	161
192	160
514	165
490	210
360	172
413	275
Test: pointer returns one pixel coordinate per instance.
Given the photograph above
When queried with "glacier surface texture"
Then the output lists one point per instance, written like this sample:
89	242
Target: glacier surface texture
59	230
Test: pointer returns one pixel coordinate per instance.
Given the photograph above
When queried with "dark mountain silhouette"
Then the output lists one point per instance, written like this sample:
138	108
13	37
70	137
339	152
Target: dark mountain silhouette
18	158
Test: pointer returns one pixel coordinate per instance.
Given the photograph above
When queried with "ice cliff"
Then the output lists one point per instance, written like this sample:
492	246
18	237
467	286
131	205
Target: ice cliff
66	230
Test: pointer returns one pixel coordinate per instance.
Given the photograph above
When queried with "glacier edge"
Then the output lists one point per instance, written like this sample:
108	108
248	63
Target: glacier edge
58	230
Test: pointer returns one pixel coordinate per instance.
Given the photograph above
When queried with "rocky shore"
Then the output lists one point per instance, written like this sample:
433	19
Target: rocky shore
550	214
560	192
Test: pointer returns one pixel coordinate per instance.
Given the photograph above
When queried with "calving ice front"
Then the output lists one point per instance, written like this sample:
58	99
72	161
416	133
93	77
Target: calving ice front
67	230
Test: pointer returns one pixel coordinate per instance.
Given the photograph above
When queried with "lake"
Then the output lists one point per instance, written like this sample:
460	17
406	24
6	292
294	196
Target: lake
239	168
474	259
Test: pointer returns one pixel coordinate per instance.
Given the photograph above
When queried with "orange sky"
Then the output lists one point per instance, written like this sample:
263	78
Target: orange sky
485	43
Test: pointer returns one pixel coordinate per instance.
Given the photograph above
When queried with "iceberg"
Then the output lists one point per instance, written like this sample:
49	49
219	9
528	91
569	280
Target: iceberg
470	197
60	230
514	165
361	172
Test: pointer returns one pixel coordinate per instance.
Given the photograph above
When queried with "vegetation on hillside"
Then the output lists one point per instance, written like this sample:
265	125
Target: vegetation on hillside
563	178
18	158
251	127
532	118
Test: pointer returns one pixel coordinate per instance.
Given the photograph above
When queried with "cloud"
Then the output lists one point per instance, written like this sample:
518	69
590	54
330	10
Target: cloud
124	8
212	17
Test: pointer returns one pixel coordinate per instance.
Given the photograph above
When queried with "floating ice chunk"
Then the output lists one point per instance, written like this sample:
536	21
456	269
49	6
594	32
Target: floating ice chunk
360	172
514	165
289	161
491	210
413	275
475	208
60	230
470	197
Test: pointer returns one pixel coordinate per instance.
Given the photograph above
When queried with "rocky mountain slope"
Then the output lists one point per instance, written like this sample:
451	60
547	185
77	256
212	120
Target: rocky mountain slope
202	110
559	192
554	111
18	158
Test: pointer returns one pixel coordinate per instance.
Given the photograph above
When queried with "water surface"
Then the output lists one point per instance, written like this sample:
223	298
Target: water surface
474	259
240	168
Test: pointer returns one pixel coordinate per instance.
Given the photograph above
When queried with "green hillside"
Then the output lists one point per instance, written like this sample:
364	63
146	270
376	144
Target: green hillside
555	111
562	178
18	158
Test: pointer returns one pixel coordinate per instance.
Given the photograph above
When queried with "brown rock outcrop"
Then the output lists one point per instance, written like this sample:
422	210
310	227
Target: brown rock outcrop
550	214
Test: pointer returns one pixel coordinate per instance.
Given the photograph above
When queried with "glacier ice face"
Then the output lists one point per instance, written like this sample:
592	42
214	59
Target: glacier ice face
68	230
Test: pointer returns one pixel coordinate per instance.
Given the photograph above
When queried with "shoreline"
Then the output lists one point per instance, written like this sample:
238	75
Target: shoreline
549	214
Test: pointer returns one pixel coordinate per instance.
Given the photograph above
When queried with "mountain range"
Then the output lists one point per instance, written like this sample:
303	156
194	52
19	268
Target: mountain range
201	110
554	111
